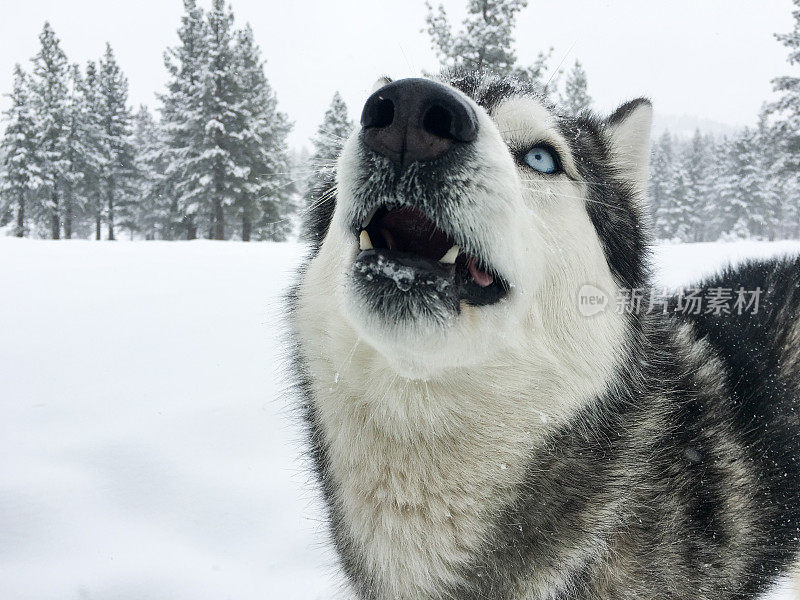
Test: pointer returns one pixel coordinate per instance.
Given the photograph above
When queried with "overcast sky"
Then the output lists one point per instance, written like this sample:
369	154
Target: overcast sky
708	58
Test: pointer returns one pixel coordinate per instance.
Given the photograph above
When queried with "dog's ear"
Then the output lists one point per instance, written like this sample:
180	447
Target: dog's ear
382	82
628	130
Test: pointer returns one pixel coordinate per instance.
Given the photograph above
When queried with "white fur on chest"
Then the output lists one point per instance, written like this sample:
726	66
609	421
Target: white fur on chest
419	472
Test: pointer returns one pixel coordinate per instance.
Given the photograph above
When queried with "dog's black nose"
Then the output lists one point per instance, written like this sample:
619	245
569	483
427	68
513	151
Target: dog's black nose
416	119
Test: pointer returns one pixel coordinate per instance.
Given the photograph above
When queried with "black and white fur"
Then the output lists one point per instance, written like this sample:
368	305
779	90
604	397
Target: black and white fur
520	450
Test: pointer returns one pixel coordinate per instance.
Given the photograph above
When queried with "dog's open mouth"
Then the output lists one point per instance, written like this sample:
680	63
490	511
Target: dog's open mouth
402	245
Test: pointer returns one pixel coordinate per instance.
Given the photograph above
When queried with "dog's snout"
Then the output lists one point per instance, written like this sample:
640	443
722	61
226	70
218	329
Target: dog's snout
414	120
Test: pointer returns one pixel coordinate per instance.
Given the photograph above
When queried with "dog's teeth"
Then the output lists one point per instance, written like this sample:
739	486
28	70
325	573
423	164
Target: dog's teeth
451	256
363	240
369	217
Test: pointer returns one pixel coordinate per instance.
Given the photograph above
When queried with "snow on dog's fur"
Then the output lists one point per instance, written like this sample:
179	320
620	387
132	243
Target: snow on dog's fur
492	441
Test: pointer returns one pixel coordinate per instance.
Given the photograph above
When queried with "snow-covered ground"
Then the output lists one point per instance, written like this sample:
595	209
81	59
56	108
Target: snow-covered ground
147	446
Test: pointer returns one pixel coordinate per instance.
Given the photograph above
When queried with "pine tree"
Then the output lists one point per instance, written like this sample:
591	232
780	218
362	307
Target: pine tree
772	175
708	201
116	126
741	188
752	185
717	176
301	170
277	203
98	152
785	184
790	201
486	41
265	190
151	212
331	134
6	208
679	187
49	98
78	157
575	98
726	181
20	165
660	190
695	167
181	114
221	121
756	206
787	108
786	132
334	130
680	215
225	139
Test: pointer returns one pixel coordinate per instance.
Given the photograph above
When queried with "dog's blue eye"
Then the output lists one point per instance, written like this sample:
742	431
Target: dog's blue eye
541	159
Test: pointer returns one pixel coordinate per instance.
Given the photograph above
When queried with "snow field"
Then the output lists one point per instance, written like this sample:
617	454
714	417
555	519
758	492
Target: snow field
147	444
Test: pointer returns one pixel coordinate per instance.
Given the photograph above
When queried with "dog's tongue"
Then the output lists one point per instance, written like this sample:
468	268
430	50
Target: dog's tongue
481	277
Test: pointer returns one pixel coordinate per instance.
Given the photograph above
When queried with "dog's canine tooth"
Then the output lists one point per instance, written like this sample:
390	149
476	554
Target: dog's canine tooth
450	257
364	241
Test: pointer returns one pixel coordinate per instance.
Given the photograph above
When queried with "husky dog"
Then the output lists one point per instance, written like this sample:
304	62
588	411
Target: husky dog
475	433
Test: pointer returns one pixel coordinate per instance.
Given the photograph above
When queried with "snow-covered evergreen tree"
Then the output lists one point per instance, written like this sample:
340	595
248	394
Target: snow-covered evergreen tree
575	98
785	183
706	147
741	187
222	122
20	165
660	192
772	174
695	166
79	158
98	154
6	212
331	134
265	195
116	119
225	150
49	94
755	186
151	211
335	128
720	189
486	41
790	201
181	112
725	175
786	108
679	216
785	133
717	174
679	187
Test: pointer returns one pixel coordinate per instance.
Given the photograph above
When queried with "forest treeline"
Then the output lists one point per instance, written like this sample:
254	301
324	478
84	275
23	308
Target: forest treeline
212	161
77	161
